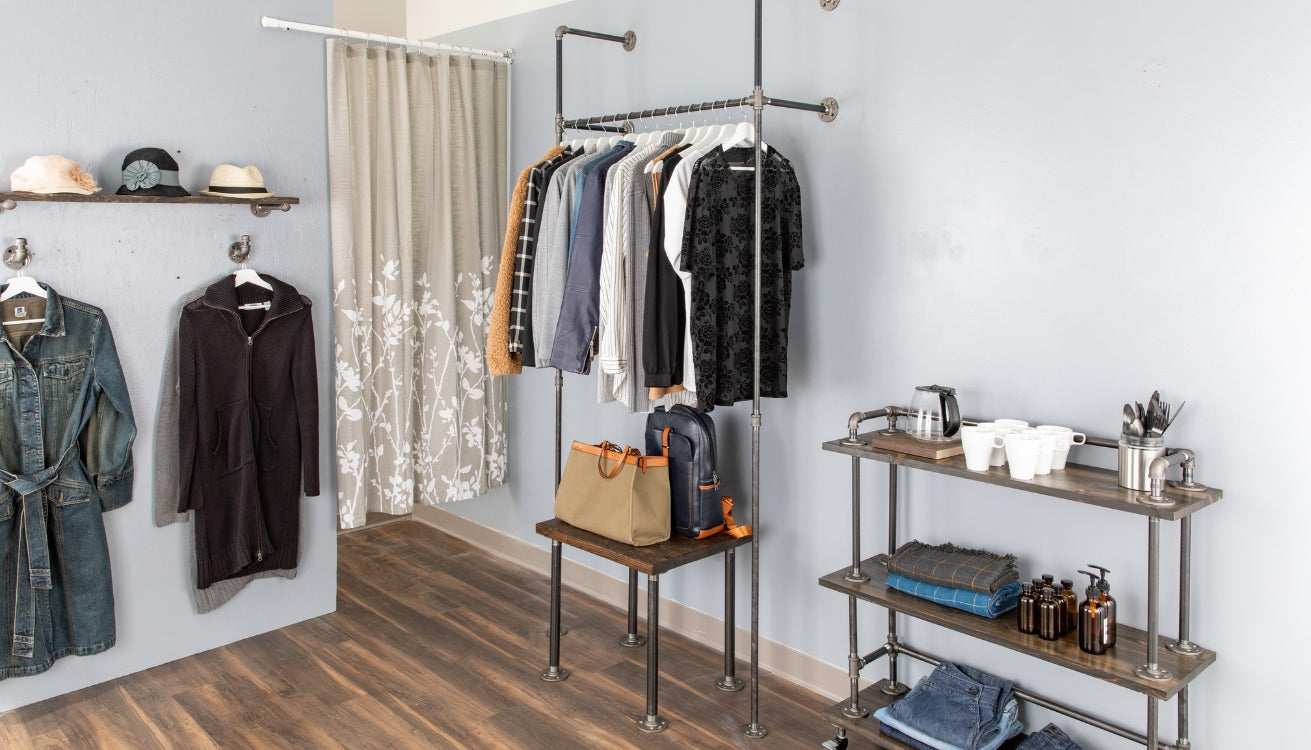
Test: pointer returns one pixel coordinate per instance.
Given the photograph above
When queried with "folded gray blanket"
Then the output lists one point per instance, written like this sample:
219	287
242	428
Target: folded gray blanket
954	567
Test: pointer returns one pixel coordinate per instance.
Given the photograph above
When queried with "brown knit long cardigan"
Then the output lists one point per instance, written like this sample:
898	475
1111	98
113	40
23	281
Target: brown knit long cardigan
499	359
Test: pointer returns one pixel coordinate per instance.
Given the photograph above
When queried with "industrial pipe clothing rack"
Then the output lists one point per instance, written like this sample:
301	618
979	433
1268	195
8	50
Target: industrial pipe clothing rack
827	110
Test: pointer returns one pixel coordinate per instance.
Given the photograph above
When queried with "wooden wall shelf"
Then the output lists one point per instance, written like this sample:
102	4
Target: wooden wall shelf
1082	484
258	206
1115	666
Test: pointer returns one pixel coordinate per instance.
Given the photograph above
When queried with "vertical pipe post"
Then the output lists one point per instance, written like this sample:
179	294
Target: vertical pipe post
854	709
854	575
754	729
893	686
553	672
1183	742
1184	645
1152	669
652	723
1153	718
730	682
559	84
559	412
631	639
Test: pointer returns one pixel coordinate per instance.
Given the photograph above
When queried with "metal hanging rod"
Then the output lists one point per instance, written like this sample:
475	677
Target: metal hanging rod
626	128
827	109
277	23
629	39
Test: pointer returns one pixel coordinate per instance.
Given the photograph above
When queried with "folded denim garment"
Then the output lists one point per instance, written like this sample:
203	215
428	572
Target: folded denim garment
905	739
1009	727
955	705
954	567
974	602
1049	737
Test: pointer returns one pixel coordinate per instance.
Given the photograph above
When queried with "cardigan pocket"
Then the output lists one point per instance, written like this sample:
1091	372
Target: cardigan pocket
235	447
266	448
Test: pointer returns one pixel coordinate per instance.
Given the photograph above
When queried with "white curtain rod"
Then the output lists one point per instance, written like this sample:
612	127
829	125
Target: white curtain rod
277	23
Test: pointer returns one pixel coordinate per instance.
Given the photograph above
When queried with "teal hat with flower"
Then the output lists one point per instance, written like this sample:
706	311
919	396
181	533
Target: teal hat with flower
150	171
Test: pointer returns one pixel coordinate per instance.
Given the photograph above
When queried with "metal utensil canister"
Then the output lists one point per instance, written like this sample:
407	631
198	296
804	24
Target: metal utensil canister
1136	456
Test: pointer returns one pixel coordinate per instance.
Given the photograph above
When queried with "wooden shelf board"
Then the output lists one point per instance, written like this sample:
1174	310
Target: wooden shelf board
114	198
1077	482
652	559
867	728
1115	666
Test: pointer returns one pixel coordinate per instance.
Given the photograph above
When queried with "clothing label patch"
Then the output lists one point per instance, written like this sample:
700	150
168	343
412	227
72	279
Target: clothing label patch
255	306
20	312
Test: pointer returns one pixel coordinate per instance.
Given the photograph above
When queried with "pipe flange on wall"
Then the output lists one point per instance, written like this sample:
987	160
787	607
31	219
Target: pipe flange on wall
239	251
830	112
829	4
630	40
18	256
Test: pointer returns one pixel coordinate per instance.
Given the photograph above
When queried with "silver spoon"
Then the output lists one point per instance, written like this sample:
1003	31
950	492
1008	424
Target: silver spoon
1128	419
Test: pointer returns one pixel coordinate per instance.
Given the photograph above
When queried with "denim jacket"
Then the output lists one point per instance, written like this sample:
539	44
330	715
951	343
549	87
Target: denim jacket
66	433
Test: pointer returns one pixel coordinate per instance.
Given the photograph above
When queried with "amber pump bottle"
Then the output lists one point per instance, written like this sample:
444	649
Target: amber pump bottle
1092	618
1026	614
1071	605
1108	601
1051	612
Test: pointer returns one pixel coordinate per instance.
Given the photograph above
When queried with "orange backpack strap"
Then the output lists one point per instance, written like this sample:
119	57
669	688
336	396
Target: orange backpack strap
664	438
730	526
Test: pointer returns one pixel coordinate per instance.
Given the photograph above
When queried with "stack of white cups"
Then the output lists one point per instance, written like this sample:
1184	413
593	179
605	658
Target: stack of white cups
1026	451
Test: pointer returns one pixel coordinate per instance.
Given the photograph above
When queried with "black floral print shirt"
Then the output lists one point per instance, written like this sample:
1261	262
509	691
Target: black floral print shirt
718	249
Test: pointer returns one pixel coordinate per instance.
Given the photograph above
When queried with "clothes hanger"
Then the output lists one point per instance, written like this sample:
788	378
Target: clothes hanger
239	251
744	135
249	276
23	284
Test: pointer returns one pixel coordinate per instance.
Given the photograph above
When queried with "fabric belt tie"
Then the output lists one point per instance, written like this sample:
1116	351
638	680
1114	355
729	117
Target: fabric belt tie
33	548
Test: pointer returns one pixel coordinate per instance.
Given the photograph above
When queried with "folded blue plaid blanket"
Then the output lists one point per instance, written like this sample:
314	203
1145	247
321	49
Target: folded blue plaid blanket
974	602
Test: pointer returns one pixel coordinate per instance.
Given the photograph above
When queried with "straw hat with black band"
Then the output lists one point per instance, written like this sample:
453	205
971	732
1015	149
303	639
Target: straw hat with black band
229	181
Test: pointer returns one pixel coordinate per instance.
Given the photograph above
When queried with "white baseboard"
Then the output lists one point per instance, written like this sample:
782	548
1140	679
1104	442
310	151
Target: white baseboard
792	665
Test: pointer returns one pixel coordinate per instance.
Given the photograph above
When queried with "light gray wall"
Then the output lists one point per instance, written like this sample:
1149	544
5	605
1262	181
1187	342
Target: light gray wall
1053	207
373	16
93	81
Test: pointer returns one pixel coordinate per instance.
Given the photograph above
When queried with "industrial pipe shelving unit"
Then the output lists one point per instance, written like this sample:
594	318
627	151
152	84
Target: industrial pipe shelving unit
1142	661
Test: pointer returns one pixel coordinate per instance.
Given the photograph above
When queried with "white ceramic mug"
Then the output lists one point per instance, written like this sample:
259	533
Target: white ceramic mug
1060	451
979	442
1045	452
1076	438
1005	427
1022	454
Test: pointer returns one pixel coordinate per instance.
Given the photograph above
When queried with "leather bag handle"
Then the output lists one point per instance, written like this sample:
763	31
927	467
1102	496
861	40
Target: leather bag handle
624	454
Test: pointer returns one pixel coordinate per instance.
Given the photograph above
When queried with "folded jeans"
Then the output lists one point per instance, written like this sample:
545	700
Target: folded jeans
1008	728
956	705
1049	737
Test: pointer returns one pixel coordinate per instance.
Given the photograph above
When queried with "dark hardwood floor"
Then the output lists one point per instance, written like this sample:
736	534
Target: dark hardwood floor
434	644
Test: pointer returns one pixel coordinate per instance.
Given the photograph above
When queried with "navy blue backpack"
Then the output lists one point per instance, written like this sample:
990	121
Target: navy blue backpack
687	437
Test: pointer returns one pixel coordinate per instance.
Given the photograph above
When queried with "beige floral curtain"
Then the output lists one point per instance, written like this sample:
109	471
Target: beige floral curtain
417	170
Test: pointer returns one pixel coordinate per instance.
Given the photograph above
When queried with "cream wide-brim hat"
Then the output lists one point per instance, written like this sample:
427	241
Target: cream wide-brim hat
228	181
52	174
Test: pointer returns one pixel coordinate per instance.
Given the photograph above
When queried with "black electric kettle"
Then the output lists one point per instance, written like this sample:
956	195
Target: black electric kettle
934	414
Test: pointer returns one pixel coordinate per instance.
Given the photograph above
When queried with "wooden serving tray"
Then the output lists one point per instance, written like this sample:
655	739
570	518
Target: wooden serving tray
902	442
